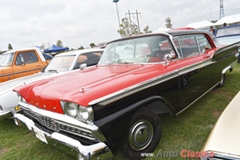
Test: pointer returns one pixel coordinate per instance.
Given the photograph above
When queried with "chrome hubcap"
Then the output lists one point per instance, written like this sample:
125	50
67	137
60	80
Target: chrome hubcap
141	135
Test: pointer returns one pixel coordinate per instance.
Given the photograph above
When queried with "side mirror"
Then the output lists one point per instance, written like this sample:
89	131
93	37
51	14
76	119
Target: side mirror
167	59
82	66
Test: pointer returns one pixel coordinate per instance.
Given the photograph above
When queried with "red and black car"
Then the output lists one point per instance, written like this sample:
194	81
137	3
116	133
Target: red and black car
115	106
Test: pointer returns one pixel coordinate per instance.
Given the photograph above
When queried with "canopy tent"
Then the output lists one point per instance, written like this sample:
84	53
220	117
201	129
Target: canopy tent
229	19
201	24
161	29
55	48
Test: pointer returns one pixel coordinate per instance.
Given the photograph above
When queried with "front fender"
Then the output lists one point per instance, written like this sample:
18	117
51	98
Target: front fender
115	126
8	102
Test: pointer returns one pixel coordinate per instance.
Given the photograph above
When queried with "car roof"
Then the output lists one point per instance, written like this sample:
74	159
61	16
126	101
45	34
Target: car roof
24	49
167	33
78	52
230	26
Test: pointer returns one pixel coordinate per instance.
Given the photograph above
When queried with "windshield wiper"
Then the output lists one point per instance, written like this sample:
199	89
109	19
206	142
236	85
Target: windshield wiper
52	70
125	62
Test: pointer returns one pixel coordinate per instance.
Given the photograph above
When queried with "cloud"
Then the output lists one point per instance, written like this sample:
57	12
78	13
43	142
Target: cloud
79	23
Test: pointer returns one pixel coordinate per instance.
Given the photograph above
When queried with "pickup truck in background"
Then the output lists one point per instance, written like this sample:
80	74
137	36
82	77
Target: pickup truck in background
22	62
60	64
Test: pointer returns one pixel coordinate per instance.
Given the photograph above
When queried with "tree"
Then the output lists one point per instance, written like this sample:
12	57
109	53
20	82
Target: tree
80	48
168	23
127	29
59	43
146	30
10	46
92	45
130	29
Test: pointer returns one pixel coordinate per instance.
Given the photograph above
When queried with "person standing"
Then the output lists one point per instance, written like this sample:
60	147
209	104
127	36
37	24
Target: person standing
212	30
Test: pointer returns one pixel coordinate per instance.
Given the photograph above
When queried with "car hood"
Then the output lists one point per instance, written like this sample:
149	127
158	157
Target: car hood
225	135
10	85
85	86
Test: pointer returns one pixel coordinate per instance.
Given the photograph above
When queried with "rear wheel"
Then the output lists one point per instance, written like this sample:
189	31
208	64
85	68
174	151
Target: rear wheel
143	136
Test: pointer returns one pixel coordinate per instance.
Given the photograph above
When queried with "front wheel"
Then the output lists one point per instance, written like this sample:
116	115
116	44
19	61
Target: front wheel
144	135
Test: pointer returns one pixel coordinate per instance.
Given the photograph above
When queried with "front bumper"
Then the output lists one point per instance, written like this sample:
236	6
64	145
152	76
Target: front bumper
210	155
64	143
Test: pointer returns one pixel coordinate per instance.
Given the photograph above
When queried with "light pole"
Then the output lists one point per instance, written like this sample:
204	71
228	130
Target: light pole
115	1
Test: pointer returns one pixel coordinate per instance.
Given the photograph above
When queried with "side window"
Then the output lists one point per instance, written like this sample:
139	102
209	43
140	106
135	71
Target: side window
177	44
188	46
90	59
203	43
165	47
26	57
18	61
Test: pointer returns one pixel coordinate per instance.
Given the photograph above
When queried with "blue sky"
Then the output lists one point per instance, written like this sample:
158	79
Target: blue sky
78	23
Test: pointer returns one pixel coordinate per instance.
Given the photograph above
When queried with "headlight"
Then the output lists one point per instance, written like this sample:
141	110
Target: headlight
86	114
71	109
21	99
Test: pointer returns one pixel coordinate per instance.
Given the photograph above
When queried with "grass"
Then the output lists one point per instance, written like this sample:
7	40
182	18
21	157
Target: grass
188	131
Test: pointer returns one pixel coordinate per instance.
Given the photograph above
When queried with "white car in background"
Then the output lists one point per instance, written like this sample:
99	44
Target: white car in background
60	64
229	34
223	141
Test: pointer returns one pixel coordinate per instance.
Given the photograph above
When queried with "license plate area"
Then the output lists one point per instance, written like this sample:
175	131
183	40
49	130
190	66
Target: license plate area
40	135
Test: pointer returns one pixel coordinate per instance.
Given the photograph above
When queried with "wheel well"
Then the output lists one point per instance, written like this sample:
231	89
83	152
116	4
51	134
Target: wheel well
159	107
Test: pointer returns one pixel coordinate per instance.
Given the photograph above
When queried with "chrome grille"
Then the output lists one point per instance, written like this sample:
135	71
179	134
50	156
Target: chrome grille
58	126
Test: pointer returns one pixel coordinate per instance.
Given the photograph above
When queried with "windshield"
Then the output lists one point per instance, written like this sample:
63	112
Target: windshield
6	59
60	63
137	50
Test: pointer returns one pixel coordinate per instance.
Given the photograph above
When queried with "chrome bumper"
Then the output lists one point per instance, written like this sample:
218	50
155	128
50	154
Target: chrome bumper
82	152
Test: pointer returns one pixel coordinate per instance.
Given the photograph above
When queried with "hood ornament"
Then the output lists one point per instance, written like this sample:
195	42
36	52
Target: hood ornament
83	90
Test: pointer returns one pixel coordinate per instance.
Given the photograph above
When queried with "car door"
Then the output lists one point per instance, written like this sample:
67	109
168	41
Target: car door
194	69
26	63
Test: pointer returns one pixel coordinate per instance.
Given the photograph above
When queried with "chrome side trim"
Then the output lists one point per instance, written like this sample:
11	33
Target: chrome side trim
197	99
226	69
149	83
223	74
36	69
134	89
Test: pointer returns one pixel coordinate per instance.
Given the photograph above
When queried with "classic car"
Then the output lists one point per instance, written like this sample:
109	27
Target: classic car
17	63
229	34
116	106
61	63
223	140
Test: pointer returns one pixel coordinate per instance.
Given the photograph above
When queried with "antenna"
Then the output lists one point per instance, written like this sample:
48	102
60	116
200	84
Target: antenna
221	10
